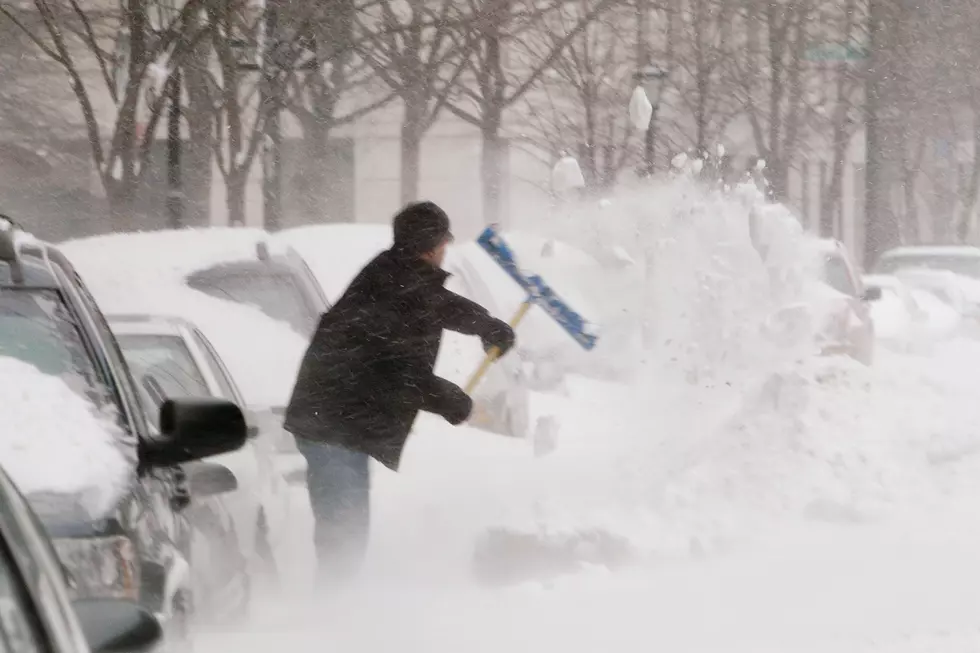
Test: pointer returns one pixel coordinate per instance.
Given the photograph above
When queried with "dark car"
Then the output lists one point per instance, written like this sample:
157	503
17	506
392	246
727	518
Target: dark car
281	285
137	549
37	613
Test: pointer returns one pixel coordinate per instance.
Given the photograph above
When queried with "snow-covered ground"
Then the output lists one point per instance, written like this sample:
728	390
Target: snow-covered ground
772	500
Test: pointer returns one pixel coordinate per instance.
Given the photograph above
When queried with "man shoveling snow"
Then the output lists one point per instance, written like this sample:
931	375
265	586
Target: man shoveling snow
368	372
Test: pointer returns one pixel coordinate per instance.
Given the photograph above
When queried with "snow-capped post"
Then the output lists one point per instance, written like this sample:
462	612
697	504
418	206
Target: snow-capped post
566	175
643	109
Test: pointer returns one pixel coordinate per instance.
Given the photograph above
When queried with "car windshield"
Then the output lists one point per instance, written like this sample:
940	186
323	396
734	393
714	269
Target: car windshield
165	364
966	265
37	328
836	274
276	294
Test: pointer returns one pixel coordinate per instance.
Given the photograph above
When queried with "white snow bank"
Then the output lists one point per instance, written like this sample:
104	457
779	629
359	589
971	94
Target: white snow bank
722	429
57	443
145	272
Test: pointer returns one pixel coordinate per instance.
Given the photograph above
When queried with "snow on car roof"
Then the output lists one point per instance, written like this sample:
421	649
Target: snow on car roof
69	451
335	253
933	250
145	272
177	252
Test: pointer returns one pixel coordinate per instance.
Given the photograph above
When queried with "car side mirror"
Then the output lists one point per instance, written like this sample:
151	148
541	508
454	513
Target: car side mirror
117	626
209	478
195	428
871	294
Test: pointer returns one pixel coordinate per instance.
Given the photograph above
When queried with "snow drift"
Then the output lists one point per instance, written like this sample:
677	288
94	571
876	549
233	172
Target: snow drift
723	422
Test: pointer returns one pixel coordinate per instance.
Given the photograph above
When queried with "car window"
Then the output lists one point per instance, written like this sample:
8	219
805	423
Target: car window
227	386
118	378
166	360
37	328
20	626
277	294
837	274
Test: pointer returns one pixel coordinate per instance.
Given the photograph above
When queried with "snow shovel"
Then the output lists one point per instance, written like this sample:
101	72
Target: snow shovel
538	292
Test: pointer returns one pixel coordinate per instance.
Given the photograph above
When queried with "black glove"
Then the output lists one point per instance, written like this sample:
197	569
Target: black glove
499	335
451	402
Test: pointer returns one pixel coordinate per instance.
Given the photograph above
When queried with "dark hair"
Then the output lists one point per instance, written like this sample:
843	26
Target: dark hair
420	227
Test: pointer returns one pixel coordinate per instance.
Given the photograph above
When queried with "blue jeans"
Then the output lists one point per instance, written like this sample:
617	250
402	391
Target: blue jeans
340	485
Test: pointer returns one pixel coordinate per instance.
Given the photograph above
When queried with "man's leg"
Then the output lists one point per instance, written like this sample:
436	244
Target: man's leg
339	486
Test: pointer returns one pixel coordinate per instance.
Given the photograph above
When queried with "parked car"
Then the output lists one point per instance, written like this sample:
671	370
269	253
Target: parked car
175	359
136	546
37	613
149	273
280	284
849	328
960	259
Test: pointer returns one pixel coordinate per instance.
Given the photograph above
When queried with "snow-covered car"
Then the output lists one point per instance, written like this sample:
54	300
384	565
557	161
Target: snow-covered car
148	273
848	328
173	358
37	612
960	259
109	490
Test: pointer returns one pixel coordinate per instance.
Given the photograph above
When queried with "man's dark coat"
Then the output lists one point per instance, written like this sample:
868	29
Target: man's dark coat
368	369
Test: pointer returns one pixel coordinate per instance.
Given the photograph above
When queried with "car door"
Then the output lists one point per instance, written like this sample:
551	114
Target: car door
269	484
161	494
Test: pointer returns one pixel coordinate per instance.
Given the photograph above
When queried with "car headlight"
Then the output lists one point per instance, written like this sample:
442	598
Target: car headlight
100	567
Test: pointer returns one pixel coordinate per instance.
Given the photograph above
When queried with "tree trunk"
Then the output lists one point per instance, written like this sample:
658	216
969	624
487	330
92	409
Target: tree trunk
492	164
200	122
235	185
121	195
411	153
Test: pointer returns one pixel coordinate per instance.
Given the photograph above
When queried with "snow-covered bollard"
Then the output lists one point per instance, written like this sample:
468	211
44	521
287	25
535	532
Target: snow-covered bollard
641	110
566	175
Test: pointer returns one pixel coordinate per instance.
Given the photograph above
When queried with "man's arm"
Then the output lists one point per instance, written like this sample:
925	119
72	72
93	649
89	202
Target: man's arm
459	314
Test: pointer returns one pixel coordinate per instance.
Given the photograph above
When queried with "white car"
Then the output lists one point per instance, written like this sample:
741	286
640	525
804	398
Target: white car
959	259
171	357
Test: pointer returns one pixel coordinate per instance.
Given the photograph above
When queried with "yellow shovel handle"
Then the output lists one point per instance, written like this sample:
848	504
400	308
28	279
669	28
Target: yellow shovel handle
494	352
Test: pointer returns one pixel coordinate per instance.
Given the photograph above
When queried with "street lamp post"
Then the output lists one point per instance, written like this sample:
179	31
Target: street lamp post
651	79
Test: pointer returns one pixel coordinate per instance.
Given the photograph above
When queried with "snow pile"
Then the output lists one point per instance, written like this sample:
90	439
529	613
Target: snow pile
144	273
729	422
57	443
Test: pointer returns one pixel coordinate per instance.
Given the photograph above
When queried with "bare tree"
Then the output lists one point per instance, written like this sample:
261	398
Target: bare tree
505	29
579	106
419	50
698	53
340	89
773	93
76	36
